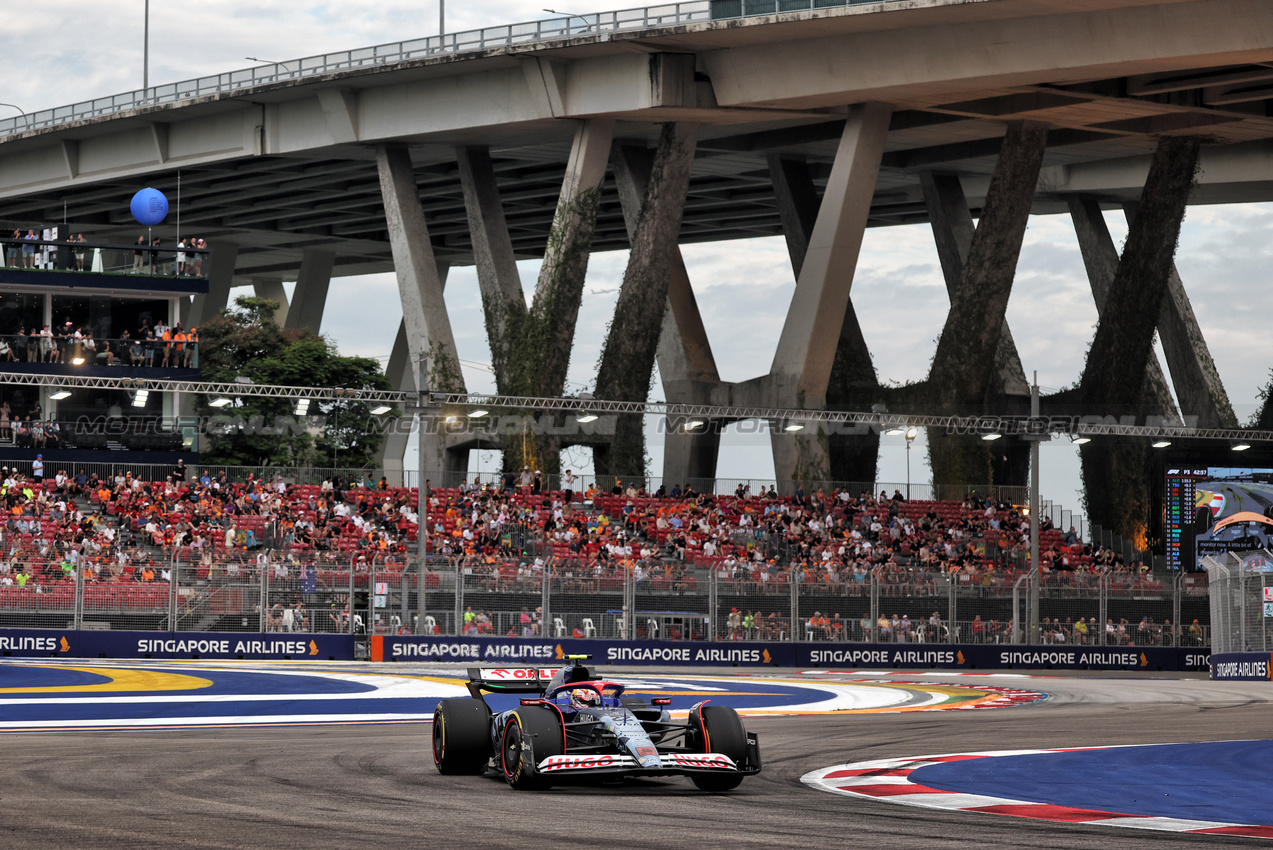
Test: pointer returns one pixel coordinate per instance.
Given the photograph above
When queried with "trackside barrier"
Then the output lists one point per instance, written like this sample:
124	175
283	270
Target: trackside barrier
67	643
1252	666
780	654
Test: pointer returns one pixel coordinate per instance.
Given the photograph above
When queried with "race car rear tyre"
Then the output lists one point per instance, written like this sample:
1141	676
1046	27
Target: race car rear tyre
461	736
541	727
718	729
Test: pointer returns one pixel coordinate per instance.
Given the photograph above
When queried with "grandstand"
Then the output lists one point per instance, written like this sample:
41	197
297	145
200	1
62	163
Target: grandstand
213	554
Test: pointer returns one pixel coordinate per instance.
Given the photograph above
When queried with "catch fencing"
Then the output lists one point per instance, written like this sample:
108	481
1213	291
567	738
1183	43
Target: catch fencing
1241	601
543	596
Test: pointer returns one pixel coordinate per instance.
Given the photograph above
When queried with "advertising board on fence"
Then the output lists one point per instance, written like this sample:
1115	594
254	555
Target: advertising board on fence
1250	666
839	655
45	643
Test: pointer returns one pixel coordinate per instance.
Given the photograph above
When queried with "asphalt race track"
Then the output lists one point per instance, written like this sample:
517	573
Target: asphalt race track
341	784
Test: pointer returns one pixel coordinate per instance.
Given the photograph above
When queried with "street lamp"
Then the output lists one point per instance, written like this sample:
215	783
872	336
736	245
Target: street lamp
283	65
586	25
911	434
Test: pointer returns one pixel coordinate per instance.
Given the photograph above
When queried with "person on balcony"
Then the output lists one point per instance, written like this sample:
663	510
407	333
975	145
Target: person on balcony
139	255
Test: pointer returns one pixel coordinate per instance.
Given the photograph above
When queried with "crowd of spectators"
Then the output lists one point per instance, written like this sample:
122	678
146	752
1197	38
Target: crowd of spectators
43	249
504	538
160	346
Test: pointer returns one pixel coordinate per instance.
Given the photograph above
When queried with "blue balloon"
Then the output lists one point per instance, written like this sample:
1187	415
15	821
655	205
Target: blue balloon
149	206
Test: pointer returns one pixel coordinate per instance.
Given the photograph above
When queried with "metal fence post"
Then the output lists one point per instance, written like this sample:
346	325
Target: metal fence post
458	626
545	597
421	594
1103	585
713	605
629	604
372	608
173	591
875	606
795	605
1016	635
1177	588
952	618
352	611
263	620
77	615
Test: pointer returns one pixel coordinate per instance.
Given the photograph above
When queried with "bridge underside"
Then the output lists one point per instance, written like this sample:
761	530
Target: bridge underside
812	125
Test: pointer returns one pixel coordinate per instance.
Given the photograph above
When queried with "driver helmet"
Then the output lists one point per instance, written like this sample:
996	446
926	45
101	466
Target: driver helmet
584	698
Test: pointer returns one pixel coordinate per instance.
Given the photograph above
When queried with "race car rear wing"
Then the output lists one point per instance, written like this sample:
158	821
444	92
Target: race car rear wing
509	680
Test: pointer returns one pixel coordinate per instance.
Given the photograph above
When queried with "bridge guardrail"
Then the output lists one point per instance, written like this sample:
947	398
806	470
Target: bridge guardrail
467	41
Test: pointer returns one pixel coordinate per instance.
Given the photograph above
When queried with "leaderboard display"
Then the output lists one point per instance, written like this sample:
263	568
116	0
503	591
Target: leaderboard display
1215	509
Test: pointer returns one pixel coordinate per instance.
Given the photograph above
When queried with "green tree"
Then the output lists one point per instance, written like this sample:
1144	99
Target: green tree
244	341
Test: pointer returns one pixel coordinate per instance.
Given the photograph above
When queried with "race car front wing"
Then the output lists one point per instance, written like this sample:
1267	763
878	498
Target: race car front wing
670	763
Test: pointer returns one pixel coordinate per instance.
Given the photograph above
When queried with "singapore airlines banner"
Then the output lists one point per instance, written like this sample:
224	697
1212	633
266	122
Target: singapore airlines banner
472	650
47	643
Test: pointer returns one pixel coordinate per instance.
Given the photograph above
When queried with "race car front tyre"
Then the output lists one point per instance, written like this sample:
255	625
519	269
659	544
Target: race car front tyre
461	736
718	729
531	734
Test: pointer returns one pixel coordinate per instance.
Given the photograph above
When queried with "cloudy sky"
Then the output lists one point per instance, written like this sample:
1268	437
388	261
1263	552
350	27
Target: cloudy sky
61	51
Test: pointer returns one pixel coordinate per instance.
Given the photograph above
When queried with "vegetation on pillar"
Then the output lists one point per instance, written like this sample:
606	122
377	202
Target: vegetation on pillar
245	341
534	348
505	318
1116	478
1114	374
1264	420
444	375
1116	485
853	385
963	369
547	335
627	360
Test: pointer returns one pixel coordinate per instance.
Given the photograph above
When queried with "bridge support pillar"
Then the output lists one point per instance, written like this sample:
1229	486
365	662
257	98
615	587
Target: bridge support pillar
953	230
221	264
503	303
805	357
687	368
542	349
274	291
1100	256
1115	470
402	376
652	193
427	326
853	384
1194	375
310	295
967	359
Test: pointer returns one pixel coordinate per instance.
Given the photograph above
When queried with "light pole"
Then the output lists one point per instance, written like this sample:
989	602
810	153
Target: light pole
911	434
1035	566
441	29
269	62
422	504
145	51
586	25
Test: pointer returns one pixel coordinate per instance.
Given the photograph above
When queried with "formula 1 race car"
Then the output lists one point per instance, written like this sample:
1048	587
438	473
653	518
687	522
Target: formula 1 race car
579	727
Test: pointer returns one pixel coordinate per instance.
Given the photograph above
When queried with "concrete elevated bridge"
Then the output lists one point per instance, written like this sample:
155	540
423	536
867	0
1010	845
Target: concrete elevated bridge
709	121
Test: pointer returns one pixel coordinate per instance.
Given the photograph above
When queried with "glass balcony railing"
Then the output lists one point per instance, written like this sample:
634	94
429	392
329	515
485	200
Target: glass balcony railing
148	353
32	252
